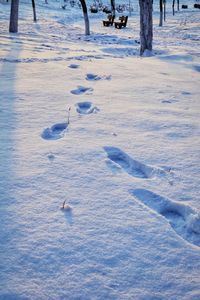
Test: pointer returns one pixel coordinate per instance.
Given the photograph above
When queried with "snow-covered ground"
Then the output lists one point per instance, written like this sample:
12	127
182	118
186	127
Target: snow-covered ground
127	164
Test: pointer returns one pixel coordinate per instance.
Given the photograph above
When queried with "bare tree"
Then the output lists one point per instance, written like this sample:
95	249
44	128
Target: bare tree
13	27
146	25
34	11
161	13
86	19
173	3
164	2
112	2
178	6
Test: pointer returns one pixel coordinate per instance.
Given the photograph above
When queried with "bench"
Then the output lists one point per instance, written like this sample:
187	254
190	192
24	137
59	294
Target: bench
196	5
109	22
122	22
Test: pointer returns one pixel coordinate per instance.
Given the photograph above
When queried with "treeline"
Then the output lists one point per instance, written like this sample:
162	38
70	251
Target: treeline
146	19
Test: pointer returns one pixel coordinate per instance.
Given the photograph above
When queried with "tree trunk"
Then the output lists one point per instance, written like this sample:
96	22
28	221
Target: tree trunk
161	13
173	3
164	2
112	2
146	25
13	27
34	11
86	19
178	7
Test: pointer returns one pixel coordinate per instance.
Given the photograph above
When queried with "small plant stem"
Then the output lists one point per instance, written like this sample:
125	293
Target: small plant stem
68	116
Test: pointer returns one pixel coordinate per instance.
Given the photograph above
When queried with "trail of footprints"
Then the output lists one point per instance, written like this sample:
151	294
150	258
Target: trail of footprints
57	131
184	220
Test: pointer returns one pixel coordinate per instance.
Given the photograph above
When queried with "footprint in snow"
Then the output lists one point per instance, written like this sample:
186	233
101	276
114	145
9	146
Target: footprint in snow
164	73
196	68
167	101
51	157
131	166
93	77
73	66
56	132
81	90
86	108
185	93
183	218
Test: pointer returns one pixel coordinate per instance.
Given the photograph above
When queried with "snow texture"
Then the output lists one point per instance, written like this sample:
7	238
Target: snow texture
99	205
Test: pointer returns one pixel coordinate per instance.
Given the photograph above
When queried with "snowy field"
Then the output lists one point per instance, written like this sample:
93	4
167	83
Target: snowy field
127	165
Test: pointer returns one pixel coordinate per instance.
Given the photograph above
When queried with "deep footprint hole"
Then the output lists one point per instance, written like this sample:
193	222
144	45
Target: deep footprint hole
86	108
84	105
92	77
131	166
55	132
184	221
73	66
81	90
58	128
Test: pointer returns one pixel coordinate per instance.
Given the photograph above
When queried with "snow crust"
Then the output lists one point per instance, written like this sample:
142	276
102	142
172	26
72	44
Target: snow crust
102	203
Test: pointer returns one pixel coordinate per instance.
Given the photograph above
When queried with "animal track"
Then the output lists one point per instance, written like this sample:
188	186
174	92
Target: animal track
183	218
81	90
131	166
56	132
86	108
93	77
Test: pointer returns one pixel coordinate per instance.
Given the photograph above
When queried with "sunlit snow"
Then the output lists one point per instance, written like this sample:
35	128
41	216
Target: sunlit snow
99	156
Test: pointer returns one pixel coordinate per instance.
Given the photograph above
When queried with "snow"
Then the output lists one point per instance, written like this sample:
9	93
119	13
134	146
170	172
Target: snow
99	157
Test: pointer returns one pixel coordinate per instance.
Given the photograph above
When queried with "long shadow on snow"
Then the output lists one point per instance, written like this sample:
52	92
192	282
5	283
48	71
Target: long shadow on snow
106	39
8	123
